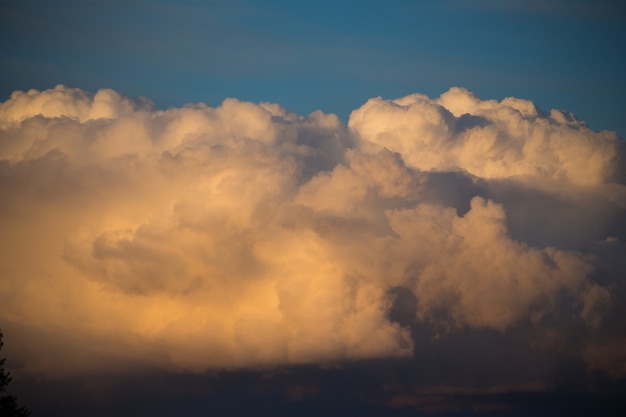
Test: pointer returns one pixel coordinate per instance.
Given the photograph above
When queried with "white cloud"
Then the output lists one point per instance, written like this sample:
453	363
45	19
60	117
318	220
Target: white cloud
67	102
486	138
246	235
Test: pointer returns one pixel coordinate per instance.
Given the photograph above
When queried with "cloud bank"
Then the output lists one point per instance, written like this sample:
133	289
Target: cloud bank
245	235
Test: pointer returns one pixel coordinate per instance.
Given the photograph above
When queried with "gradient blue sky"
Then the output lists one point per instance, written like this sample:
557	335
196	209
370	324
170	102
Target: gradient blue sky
329	55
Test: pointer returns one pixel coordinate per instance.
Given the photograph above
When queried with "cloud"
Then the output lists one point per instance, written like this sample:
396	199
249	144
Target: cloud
486	138
72	103
245	235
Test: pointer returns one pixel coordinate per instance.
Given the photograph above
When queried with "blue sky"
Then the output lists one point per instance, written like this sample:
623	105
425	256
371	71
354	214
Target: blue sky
329	55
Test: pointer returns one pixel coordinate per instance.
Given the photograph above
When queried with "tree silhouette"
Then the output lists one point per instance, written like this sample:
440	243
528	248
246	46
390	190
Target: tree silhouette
8	403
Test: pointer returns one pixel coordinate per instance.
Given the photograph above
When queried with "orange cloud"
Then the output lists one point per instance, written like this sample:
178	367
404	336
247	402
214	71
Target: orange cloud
245	235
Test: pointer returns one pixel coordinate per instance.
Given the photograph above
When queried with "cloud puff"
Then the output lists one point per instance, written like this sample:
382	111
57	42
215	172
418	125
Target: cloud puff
486	138
67	102
246	235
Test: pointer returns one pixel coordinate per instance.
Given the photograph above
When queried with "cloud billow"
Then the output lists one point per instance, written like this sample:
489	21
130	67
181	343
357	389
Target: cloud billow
245	235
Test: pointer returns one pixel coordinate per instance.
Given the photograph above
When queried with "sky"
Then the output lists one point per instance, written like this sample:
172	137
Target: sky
328	55
313	208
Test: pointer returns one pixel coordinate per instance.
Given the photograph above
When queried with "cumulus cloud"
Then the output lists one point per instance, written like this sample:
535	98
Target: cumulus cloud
245	235
66	102
487	138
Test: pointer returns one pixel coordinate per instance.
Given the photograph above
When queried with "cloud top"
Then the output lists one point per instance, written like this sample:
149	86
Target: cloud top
487	138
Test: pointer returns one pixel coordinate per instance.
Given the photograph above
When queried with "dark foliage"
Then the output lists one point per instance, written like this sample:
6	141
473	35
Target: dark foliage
8	403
